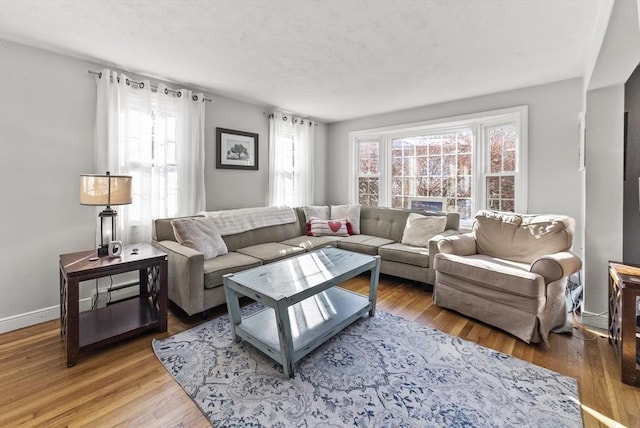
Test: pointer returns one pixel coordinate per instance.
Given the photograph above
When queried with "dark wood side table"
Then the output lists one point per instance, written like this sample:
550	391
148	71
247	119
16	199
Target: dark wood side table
624	310
95	328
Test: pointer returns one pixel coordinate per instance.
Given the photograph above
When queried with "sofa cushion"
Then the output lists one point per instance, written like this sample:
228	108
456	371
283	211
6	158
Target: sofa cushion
229	263
200	234
317	211
350	212
338	227
521	238
366	244
498	274
417	256
420	229
312	242
270	252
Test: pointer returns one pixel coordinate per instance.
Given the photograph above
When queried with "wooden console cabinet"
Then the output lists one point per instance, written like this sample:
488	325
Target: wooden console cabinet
90	329
624	312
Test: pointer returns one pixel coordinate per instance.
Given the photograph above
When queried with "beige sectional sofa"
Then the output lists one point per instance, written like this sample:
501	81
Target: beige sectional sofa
195	284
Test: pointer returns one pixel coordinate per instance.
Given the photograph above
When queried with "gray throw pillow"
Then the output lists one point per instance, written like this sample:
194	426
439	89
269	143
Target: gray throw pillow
200	234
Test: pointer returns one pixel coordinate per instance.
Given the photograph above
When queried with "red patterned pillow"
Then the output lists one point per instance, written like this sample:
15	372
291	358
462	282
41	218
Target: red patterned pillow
338	227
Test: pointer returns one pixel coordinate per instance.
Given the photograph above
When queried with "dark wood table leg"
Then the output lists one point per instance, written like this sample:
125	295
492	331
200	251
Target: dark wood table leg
72	321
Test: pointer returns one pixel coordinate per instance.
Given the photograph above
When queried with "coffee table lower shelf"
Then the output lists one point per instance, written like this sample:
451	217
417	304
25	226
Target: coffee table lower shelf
313	322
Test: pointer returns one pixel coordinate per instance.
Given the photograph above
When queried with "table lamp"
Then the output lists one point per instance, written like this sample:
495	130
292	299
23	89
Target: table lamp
105	190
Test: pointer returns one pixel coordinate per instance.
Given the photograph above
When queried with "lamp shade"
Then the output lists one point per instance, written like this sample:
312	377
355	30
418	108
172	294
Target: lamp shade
105	189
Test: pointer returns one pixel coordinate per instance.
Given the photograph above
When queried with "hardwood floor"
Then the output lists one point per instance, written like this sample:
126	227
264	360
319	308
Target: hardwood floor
125	384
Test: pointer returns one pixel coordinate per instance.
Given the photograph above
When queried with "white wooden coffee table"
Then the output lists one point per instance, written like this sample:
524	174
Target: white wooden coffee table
304	308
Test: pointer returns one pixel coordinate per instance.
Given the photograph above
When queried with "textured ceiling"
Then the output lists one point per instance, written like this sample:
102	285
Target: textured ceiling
331	60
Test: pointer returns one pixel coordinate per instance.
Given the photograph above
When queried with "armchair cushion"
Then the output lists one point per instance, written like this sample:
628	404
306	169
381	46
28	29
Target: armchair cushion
521	237
498	274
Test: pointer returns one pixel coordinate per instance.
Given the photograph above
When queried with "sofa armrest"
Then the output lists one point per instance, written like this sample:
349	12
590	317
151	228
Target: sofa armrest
463	244
186	275
433	243
553	267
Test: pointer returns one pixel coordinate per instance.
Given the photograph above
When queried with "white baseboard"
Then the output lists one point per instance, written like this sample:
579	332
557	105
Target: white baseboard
38	316
600	321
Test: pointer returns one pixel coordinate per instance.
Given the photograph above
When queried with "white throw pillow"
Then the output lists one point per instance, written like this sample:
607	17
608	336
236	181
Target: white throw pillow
200	234
336	227
350	212
420	229
316	211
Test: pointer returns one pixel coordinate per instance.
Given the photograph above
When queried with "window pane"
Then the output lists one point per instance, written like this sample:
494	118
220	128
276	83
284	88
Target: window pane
507	205
506	187
433	165
368	191
502	148
369	157
422	186
464	187
422	165
435	186
501	193
493	187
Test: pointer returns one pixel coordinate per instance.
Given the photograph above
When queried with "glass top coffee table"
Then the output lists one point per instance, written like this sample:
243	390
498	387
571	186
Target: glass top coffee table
304	308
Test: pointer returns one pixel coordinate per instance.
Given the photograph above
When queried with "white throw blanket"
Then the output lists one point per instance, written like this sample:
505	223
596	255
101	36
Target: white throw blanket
230	222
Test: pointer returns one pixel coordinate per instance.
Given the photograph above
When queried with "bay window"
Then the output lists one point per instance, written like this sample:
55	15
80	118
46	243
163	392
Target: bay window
460	164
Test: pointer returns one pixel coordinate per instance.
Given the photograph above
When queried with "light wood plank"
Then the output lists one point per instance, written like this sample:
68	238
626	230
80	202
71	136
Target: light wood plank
125	384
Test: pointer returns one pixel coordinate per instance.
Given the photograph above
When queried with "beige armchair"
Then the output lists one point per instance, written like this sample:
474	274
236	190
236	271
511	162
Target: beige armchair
510	272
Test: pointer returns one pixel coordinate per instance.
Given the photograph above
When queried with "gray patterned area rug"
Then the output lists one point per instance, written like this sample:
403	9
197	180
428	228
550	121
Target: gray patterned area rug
379	372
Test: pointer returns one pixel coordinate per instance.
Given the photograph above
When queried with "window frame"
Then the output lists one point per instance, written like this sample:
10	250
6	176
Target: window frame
479	123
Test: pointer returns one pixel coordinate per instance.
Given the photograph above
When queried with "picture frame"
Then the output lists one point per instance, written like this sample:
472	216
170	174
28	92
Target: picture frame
429	204
236	149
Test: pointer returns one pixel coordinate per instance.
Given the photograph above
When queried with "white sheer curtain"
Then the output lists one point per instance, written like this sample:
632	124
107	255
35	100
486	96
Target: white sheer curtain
190	153
291	173
158	139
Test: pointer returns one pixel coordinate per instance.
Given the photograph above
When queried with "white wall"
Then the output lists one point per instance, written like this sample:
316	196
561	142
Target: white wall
617	57
604	194
228	188
554	179
47	114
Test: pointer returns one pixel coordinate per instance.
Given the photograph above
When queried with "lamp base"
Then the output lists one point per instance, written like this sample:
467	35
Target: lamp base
103	250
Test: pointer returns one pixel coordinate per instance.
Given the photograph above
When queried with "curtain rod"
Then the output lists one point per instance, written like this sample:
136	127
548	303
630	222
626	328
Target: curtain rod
270	116
154	88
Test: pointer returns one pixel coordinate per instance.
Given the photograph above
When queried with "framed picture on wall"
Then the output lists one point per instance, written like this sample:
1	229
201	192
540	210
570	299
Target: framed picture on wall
236	149
426	204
